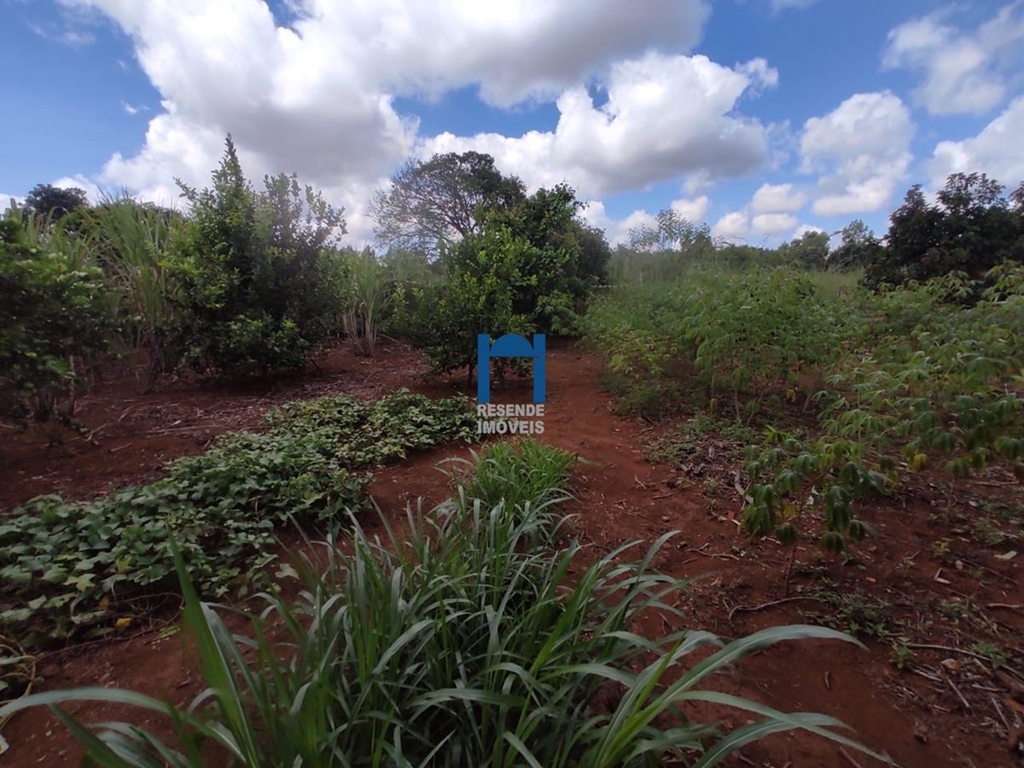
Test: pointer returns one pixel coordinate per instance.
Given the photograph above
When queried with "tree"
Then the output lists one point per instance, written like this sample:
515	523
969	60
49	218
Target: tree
670	232
56	202
970	229
437	202
809	251
858	247
484	274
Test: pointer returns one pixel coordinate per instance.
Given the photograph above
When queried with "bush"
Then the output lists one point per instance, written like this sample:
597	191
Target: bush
54	312
742	334
529	268
483	274
260	279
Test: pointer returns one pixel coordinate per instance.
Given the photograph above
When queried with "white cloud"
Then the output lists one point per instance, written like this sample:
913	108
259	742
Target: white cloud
317	97
772	223
666	116
862	151
996	150
92	191
777	198
803	229
964	71
131	109
6	200
732	226
693	211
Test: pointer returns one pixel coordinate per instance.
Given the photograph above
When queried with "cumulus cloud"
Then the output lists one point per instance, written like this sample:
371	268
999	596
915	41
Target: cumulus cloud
733	226
964	72
804	229
996	150
861	151
665	116
772	223
777	198
316	96
93	191
694	211
315	93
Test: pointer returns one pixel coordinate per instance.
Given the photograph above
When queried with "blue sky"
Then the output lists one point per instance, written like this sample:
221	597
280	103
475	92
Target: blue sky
760	117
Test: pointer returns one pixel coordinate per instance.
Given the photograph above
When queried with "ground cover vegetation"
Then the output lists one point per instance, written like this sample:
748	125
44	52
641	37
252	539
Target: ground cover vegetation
453	644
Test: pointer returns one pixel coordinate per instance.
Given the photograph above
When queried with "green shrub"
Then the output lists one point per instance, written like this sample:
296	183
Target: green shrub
744	335
478	297
366	300
54	312
260	278
131	242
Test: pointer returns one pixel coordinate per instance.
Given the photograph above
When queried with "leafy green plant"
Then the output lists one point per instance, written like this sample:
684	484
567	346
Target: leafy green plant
477	297
69	567
452	644
54	314
259	277
744	335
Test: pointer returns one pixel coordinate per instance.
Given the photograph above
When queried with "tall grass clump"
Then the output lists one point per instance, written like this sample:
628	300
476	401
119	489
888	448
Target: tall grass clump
366	302
457	641
514	473
132	239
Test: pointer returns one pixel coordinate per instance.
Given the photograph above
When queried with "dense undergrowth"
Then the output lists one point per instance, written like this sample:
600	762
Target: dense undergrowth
457	642
71	568
851	390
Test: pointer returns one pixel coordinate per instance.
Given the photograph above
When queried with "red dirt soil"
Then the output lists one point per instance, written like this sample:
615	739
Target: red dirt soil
951	714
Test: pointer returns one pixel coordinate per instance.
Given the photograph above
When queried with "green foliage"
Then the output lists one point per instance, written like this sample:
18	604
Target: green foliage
516	473
131	241
809	251
527	265
260	281
971	229
895	381
858	248
742	334
366	300
54	309
70	566
478	297
46	201
433	204
455	643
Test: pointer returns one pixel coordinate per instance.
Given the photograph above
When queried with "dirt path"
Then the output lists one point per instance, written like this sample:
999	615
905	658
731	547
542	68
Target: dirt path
621	497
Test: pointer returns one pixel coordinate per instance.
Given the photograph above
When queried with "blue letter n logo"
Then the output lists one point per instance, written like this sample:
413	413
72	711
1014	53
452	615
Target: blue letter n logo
509	345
